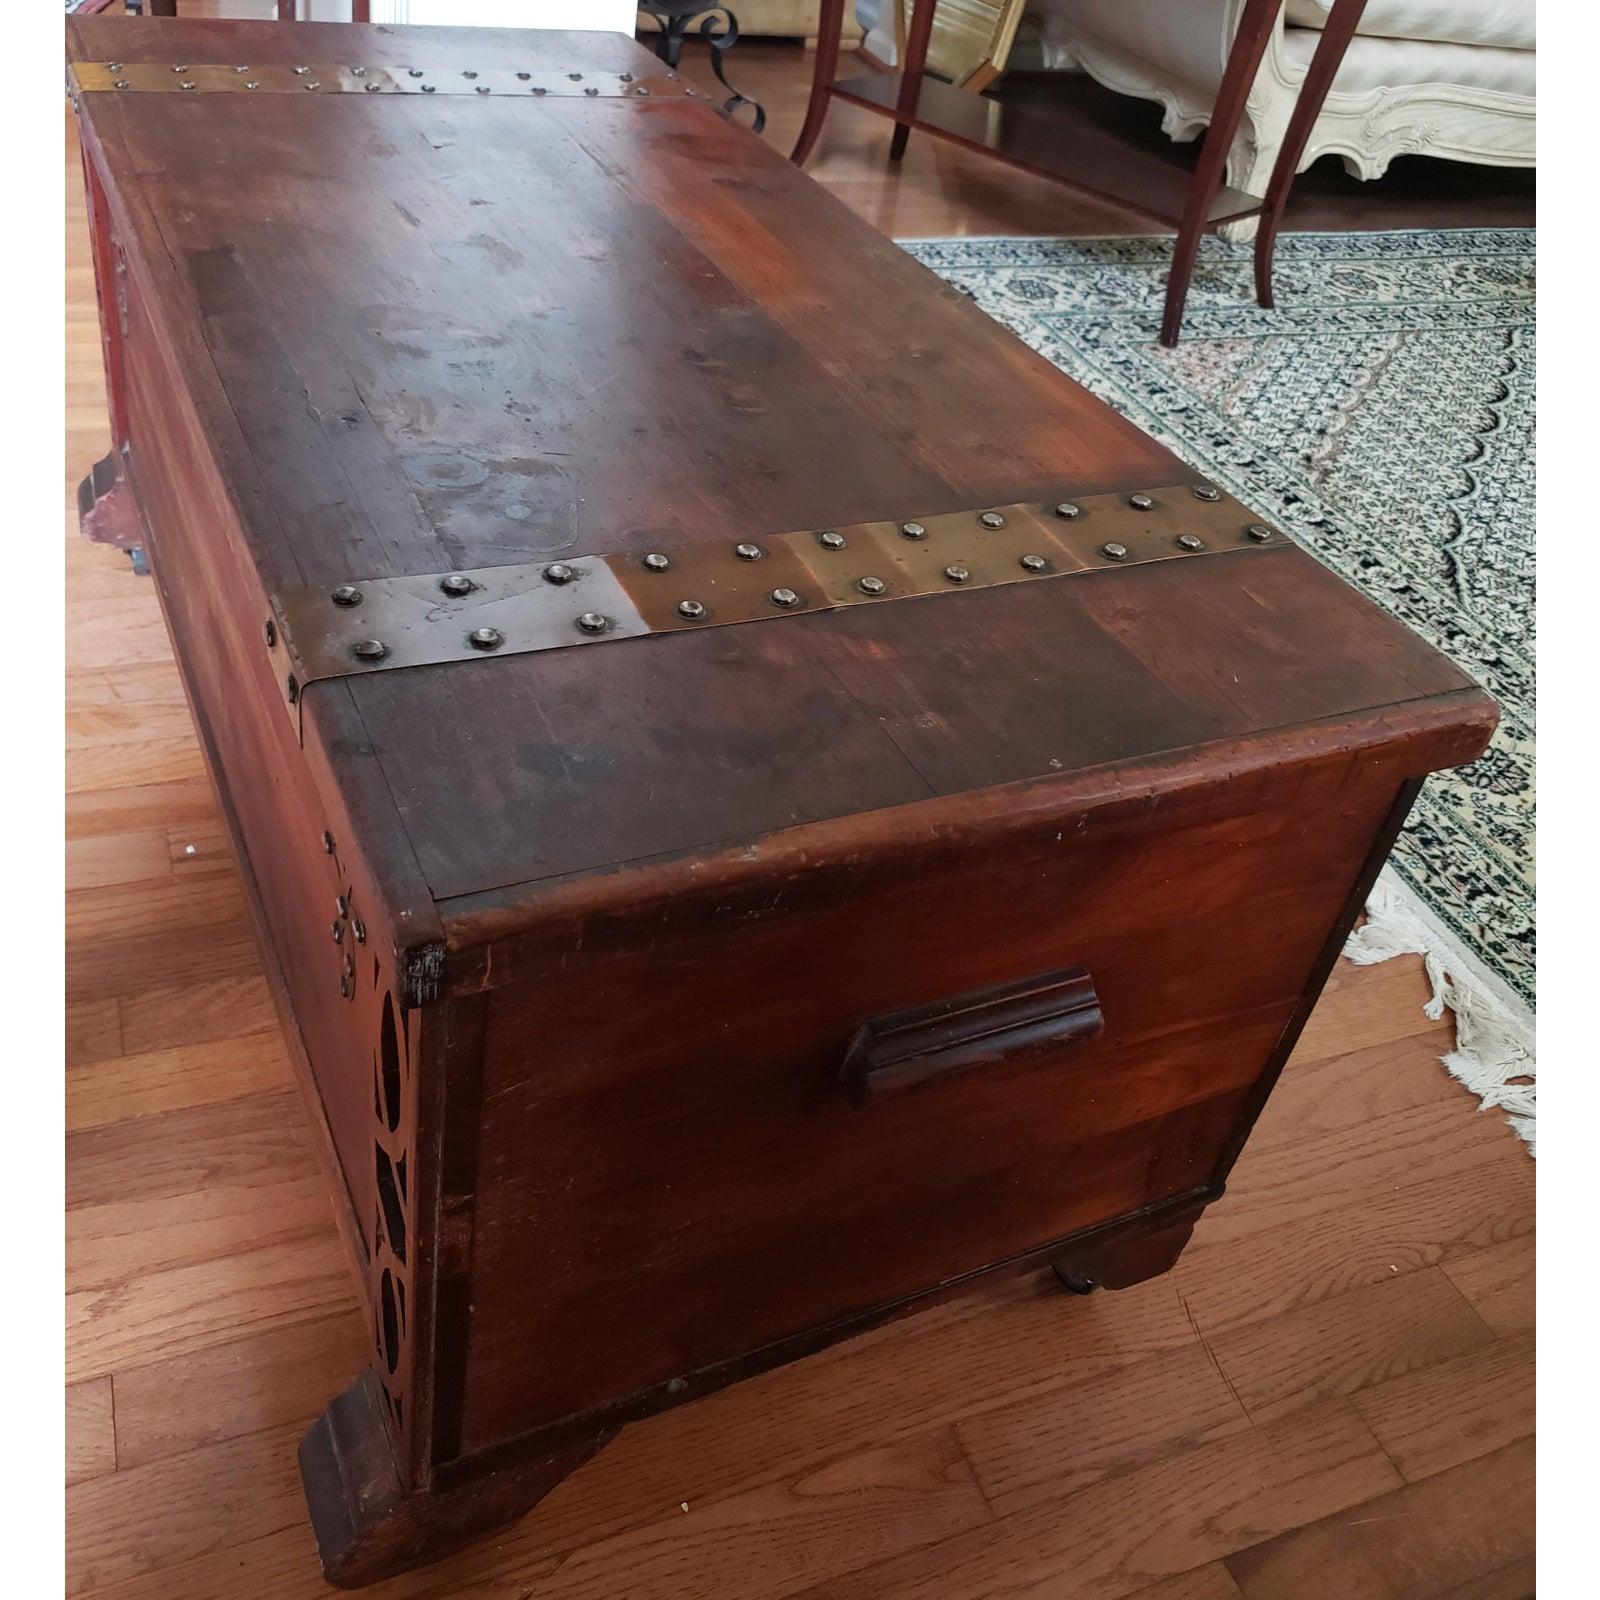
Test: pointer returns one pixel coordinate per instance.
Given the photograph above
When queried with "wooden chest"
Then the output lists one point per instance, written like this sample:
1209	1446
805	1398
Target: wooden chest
764	802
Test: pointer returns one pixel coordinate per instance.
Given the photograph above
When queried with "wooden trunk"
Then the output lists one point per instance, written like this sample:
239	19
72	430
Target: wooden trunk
679	993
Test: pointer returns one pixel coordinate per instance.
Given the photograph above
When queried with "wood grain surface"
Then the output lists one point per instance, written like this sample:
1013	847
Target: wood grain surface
1342	1360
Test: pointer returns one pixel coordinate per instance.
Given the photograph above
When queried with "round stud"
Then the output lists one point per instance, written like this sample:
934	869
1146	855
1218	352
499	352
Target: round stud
346	595
641	91
1190	541
1140	502
313	86
427	88
1033	563
748	552
413	72
270	629
957	574
121	83
691	610
372	88
467	72
577	77
300	72
341	904
1258	531
539	88
524	76
338	933
785	598
991	519
873	586
1067	510
291	688
252	84
483	88
1204	491
486	638
913	530
347	986
559	572
624	77
180	70
593	622
371	650
113	66
457	584
360	72
359	928
1114	552
246	69
591	91
656	562
831	540
327	844
186	85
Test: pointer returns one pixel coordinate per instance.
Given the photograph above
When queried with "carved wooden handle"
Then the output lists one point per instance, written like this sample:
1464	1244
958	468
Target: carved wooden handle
1003	1024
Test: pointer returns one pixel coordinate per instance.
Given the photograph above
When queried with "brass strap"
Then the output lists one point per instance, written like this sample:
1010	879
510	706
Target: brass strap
384	624
157	77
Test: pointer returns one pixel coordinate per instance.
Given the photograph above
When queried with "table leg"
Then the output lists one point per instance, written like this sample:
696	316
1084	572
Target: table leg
829	26
1244	59
1337	32
917	38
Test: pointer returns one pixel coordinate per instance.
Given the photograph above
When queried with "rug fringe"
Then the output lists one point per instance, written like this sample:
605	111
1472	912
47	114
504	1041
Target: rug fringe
1494	1055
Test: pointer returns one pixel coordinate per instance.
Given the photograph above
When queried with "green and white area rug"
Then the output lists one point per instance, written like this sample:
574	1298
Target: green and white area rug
1384	416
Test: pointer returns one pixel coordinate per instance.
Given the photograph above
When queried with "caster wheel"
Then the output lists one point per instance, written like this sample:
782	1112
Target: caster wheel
1073	1282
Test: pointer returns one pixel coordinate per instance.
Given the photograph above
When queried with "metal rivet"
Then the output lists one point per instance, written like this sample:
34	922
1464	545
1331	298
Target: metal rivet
559	572
1190	541
413	72
831	540
252	84
180	70
270	628
338	933
593	622
871	586
346	595
341	904
1033	563
1204	491
677	1385
957	574
467	72
291	686
372	88
524	76
186	85
371	650
121	83
113	66
327	844
347	986
539	88
692	609
1140	502
360	72
1067	510
748	552
577	77
785	597
991	519
300	72
313	86
486	638
1114	552
591	90
483	88
360	930
427	88
1259	532
656	562
625	77
641	90
913	530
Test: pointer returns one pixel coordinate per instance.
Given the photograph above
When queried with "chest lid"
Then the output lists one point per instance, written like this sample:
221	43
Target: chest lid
453	335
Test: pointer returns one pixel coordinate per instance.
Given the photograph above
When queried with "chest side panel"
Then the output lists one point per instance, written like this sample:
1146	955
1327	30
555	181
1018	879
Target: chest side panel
671	1173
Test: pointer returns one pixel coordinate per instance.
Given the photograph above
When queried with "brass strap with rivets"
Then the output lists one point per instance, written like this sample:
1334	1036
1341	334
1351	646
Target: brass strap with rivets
159	77
383	624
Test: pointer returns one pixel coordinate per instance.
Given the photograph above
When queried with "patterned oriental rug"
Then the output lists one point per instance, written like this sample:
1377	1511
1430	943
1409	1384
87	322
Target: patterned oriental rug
1384	416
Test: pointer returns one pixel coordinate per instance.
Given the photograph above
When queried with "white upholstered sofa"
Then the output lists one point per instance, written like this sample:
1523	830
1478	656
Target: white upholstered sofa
1452	78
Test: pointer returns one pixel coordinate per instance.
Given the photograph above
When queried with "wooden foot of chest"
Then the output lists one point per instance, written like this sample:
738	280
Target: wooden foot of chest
369	1526
1130	1257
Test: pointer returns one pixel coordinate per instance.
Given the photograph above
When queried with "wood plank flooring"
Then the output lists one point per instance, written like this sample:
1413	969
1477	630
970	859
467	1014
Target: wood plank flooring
1331	1396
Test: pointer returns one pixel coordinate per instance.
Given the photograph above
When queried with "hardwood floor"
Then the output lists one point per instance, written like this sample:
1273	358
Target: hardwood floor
1331	1395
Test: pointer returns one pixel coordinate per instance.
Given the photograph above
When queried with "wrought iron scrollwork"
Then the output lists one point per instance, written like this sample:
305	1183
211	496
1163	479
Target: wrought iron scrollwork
674	17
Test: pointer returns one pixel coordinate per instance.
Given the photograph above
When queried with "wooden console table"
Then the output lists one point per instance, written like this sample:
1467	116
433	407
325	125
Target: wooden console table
1096	163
